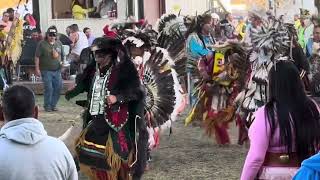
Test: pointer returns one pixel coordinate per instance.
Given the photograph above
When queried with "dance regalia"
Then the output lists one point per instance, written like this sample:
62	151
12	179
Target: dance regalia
172	29
160	83
196	48
220	83
271	42
113	142
107	144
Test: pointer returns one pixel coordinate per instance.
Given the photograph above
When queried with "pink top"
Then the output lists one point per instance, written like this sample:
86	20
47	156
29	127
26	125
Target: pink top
260	143
7	24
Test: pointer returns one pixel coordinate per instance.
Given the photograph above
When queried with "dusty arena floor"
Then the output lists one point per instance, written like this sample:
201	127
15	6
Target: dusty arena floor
186	154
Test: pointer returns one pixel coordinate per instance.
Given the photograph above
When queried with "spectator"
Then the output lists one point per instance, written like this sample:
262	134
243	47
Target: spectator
62	38
227	27
48	58
106	8
297	22
35	35
241	28
5	21
79	42
310	169
40	36
109	33
88	33
29	49
315	20
216	33
11	14
27	152
78	10
68	31
313	45
306	29
65	40
285	131
30	20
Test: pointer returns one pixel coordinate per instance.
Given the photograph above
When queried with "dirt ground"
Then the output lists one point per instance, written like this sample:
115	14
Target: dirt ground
186	154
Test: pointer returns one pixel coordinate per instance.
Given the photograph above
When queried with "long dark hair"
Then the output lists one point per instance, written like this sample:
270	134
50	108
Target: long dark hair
291	109
196	26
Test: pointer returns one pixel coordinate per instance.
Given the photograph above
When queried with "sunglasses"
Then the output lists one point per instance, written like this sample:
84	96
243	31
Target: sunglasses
99	55
52	34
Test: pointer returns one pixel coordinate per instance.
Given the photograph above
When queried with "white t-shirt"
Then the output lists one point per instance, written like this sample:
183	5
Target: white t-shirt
80	44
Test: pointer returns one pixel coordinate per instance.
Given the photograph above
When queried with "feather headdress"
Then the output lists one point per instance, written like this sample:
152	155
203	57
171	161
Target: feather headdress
172	31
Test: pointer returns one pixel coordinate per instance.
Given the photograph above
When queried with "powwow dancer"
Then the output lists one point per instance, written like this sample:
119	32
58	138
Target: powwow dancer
160	82
221	79
271	42
172	29
199	43
108	147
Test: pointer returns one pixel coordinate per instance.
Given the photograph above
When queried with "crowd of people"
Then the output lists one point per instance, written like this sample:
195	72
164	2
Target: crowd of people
263	72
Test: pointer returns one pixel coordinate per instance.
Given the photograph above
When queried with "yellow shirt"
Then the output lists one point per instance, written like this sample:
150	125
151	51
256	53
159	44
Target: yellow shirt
80	13
241	29
297	24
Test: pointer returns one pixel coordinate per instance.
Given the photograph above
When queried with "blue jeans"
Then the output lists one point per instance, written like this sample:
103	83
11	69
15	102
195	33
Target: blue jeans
52	82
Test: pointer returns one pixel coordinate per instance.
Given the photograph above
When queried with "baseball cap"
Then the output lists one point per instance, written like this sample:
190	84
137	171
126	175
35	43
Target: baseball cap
52	31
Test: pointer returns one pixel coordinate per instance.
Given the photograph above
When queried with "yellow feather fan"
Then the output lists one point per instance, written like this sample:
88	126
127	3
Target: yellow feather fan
16	46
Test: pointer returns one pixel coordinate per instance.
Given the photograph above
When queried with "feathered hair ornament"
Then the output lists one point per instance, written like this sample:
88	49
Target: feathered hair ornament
172	30
305	13
270	41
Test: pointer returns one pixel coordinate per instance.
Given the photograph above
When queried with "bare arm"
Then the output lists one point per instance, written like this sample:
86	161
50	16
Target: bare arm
37	68
74	38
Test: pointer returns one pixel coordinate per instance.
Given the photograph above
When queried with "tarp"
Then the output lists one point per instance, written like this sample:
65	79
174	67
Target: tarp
4	4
